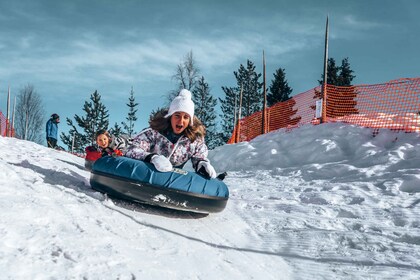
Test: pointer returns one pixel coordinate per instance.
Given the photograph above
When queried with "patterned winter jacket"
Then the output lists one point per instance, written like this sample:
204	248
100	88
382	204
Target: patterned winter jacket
150	141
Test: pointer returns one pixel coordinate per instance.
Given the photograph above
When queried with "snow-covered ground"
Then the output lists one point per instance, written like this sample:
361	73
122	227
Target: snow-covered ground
319	202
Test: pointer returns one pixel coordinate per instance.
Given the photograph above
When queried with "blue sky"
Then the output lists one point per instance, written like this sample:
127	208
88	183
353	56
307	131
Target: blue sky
69	49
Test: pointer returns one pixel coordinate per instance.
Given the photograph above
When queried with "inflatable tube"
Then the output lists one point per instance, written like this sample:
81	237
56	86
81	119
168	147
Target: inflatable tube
92	154
139	181
89	164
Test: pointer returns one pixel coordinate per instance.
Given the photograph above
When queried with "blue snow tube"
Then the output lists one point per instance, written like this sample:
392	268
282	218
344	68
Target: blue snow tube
139	181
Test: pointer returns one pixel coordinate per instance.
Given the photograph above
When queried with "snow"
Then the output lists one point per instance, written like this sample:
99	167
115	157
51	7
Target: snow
331	201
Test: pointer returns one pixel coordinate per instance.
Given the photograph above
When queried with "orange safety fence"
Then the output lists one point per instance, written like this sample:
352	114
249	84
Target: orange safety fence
5	127
393	105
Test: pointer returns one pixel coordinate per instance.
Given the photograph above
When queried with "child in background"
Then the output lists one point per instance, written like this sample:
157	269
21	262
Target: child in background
106	145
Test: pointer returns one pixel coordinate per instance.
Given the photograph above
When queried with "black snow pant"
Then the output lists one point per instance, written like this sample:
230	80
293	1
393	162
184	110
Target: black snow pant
51	142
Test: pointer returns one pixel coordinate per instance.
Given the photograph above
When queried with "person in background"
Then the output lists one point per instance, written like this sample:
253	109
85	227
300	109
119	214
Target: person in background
106	145
175	136
111	145
51	131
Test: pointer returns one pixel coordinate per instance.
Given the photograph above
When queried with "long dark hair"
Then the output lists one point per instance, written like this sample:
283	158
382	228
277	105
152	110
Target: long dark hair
158	122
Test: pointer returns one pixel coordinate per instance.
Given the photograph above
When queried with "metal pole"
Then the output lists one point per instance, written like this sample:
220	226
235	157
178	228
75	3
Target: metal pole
238	130
234	118
72	141
13	115
26	122
0	123
264	112
324	83
8	114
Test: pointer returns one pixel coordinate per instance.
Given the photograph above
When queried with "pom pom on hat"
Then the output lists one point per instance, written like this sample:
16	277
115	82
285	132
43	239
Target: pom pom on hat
182	103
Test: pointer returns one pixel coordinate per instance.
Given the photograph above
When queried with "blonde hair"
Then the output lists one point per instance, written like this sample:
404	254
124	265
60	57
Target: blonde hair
158	122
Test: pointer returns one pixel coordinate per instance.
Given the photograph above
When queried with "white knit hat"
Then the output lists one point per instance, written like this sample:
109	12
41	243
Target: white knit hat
182	103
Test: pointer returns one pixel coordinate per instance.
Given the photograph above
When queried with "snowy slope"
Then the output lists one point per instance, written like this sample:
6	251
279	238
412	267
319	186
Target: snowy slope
320	202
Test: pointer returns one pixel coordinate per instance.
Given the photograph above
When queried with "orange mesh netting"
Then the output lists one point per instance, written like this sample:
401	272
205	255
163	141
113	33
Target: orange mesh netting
4	126
392	105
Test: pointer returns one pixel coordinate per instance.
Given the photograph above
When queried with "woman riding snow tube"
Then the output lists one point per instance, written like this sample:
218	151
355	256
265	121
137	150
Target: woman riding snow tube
140	181
151	173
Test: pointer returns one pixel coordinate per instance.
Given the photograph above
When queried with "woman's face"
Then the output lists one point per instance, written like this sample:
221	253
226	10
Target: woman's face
179	122
102	140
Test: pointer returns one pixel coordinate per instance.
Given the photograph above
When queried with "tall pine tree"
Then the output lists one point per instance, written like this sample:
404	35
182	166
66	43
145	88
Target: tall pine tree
338	75
116	130
279	90
131	118
346	74
205	105
96	118
247	78
229	106
341	77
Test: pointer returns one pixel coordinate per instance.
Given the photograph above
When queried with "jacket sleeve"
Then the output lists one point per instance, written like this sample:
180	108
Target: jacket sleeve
200	153
121	142
48	129
141	145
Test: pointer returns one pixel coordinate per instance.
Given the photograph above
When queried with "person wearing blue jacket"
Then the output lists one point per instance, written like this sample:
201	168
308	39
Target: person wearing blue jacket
52	131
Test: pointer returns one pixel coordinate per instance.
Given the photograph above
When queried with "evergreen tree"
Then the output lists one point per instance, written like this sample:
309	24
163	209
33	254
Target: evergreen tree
346	74
279	89
131	118
338	75
228	106
247	79
116	130
205	105
96	118
332	73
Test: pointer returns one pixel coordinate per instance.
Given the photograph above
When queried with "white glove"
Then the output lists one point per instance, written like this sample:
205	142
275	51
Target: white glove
207	166
161	163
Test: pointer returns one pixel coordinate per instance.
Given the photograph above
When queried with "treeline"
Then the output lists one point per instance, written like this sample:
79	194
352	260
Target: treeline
248	84
82	132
